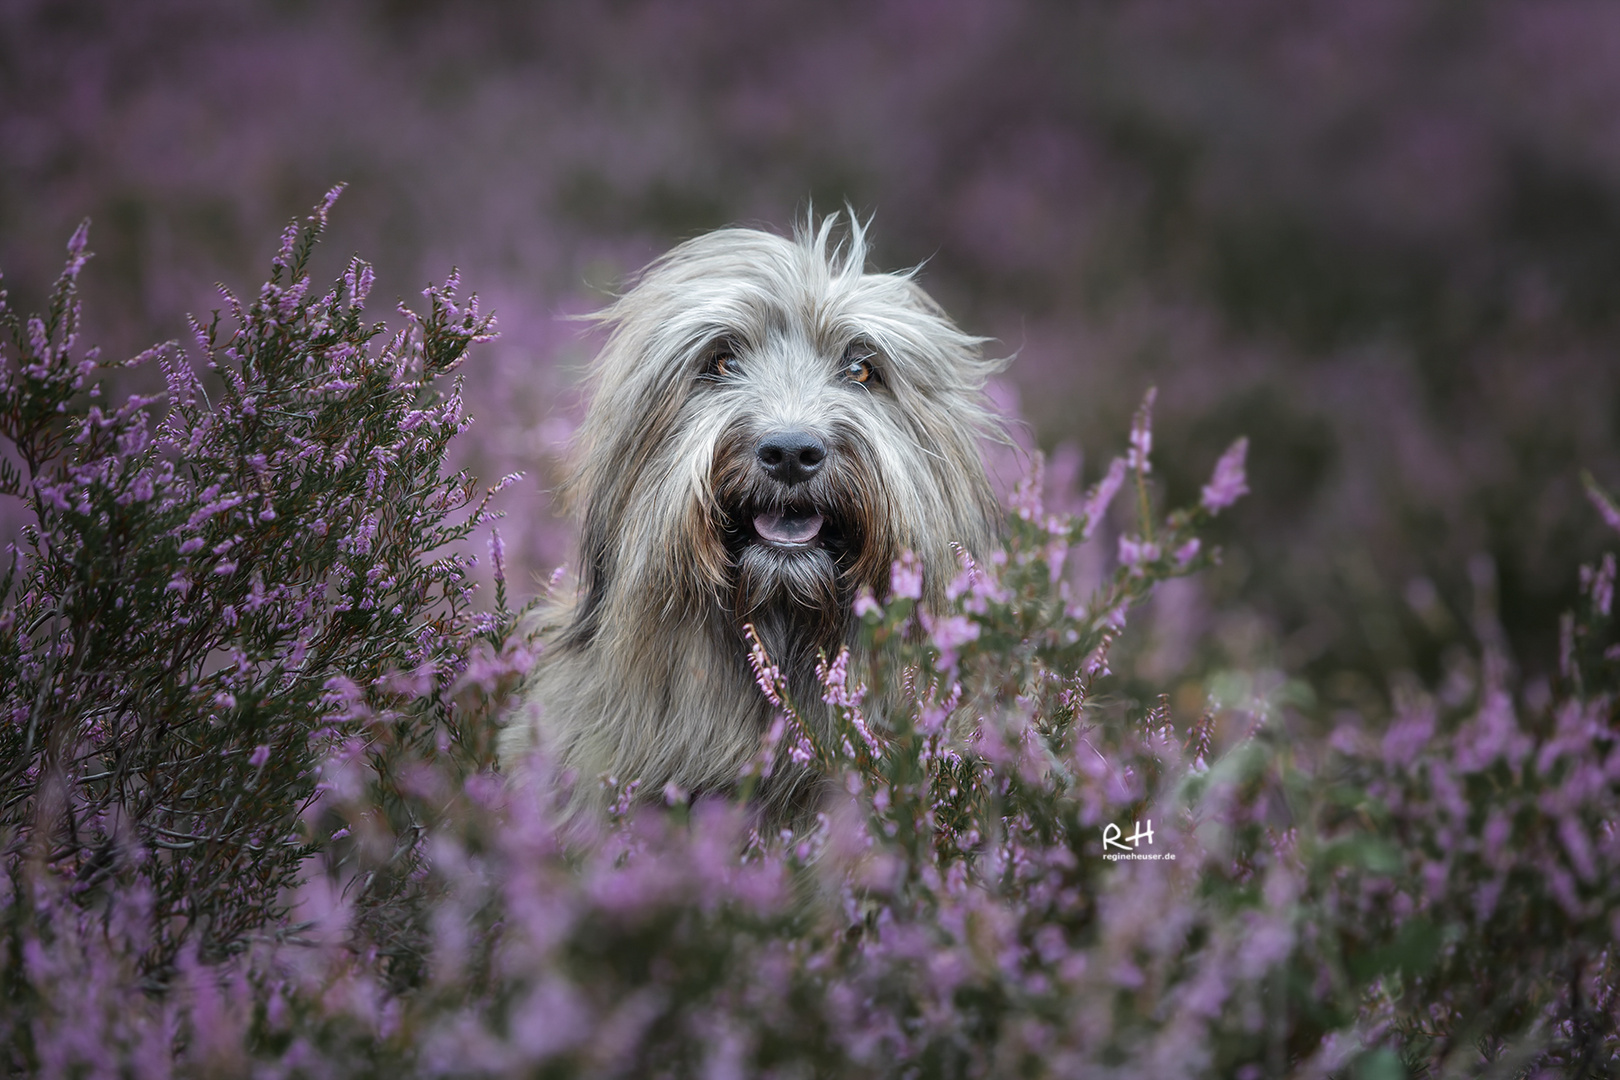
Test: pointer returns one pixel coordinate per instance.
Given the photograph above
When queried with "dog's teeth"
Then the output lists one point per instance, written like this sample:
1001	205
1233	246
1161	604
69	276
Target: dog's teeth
787	528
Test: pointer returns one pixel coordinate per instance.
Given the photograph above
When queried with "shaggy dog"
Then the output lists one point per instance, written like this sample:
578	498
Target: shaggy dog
770	427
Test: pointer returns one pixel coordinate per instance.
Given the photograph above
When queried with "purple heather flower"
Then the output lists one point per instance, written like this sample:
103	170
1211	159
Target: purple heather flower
1142	434
834	679
1606	507
931	719
1228	483
906	579
949	634
1101	495
766	674
1407	735
1603	585
209	509
497	555
1137	553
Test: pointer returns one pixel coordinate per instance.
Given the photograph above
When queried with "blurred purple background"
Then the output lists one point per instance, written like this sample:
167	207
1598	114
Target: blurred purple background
1380	237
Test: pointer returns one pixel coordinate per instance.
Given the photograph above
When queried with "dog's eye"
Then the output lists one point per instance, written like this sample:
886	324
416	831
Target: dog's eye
858	365
722	362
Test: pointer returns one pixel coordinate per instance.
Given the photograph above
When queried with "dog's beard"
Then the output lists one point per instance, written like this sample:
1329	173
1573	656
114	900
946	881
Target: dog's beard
794	599
796	554
791	582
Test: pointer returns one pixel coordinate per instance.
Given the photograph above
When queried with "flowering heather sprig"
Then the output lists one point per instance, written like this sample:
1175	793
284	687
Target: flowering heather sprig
1139	461
835	681
1229	482
624	797
788	733
772	683
1589	652
1138	458
1200	742
846	698
1101	495
1606	506
1602	585
1025	500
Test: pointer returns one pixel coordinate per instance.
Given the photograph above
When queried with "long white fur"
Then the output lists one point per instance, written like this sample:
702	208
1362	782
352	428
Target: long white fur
644	676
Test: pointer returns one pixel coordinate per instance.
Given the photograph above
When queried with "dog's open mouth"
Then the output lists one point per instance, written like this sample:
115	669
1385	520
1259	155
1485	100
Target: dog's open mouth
788	528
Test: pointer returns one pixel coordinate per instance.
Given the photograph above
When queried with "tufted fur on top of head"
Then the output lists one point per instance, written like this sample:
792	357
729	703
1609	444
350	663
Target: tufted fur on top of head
727	341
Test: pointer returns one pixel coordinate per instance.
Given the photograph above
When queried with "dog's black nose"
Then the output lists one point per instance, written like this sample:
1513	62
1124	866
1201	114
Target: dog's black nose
790	456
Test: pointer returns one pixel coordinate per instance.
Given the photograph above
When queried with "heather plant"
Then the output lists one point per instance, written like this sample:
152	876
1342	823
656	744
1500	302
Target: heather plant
1019	871
218	582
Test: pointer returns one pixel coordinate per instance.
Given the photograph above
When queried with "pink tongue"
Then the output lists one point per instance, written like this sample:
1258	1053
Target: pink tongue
788	528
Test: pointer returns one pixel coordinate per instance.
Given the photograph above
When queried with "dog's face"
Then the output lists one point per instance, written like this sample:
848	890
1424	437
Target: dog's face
812	443
771	426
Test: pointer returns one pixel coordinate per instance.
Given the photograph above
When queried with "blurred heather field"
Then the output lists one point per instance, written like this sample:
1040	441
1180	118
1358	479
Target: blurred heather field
1382	238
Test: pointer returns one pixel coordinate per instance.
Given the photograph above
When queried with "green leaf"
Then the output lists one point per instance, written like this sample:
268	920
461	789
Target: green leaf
1380	1064
1365	853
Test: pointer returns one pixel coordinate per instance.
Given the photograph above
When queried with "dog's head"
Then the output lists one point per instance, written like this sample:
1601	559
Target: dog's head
770	427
